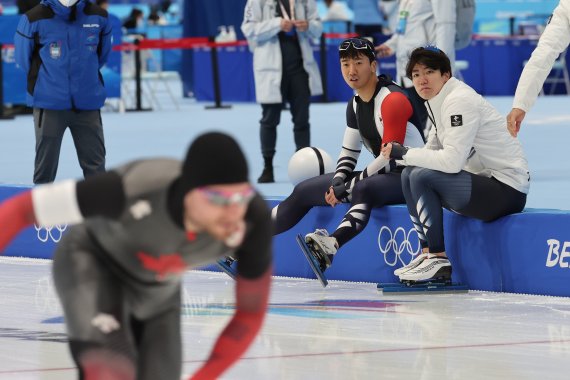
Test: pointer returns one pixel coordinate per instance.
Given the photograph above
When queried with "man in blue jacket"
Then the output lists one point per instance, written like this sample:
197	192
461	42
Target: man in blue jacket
62	45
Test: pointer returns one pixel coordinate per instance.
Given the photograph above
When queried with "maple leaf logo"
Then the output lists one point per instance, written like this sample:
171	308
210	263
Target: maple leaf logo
162	265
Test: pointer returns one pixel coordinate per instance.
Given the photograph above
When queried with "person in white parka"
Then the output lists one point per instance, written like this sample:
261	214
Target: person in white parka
279	34
553	41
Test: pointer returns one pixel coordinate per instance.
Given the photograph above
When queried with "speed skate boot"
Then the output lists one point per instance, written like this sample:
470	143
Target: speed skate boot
412	264
432	268
322	247
229	260
226	266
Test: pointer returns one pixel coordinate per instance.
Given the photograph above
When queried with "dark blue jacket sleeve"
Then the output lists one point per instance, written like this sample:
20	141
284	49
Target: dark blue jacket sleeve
24	43
106	42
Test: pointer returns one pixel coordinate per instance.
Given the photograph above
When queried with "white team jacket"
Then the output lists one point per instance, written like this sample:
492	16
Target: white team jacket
430	22
469	134
554	40
260	27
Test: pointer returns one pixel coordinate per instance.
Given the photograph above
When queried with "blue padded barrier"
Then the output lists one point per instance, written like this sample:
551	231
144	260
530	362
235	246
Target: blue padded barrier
522	253
32	242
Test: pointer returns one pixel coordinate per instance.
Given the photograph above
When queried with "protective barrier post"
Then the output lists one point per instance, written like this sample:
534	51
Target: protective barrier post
216	79
512	25
3	115
324	67
138	83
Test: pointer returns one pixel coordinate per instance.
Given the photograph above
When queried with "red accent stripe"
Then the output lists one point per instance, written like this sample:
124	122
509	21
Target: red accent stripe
198	42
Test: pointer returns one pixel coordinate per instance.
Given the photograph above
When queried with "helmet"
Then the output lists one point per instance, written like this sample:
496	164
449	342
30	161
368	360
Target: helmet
307	163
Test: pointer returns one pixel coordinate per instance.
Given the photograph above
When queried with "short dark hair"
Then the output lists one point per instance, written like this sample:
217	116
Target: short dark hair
429	56
355	47
100	2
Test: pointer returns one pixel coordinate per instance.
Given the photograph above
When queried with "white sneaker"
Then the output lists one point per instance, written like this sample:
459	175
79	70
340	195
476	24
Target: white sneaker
432	267
321	240
412	264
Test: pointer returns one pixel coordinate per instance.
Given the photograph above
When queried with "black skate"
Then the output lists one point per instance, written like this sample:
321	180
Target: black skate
226	266
318	261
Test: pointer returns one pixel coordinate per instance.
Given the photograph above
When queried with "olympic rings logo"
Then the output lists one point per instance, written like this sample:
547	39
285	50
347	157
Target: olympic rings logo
53	233
393	245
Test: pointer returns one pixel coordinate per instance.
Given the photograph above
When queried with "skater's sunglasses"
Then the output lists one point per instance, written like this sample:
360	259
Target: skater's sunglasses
357	43
227	198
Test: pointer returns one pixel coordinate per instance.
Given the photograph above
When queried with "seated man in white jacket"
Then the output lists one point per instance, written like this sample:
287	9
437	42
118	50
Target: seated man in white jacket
469	165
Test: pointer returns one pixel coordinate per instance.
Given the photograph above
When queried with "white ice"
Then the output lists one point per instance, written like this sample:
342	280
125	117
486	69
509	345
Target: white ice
346	331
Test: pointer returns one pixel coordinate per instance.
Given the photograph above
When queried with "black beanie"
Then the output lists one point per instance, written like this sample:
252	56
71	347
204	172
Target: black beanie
213	159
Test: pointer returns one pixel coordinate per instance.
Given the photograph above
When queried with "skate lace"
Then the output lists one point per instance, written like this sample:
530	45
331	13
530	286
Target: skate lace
430	262
321	232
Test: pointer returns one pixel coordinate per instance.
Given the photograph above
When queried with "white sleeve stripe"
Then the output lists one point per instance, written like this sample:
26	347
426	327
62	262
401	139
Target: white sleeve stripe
347	165
56	203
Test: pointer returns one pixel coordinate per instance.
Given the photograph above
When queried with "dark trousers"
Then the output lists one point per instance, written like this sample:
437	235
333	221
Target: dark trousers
428	191
371	192
374	31
86	130
295	90
146	347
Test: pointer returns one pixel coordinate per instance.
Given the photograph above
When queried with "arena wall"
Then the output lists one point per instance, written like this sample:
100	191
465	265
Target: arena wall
522	253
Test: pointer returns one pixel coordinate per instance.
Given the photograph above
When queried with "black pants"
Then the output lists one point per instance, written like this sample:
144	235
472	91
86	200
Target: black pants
295	90
145	348
428	191
87	132
367	30
374	191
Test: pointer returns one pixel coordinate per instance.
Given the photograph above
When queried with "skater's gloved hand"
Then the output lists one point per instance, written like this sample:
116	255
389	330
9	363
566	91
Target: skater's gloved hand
339	188
331	196
394	150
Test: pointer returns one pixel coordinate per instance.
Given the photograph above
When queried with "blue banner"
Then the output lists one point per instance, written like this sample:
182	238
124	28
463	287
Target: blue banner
522	253
36	241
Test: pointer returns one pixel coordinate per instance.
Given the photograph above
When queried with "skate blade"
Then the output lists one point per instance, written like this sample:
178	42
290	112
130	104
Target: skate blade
439	287
313	263
223	265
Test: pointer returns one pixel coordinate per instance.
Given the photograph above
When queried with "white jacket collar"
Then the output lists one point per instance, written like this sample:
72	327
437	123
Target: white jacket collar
434	104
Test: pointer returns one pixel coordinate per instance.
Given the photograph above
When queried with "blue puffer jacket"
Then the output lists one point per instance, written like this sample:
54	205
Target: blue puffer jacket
62	50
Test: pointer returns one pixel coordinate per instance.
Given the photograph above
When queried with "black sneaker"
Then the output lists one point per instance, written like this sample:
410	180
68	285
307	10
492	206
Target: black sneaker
266	176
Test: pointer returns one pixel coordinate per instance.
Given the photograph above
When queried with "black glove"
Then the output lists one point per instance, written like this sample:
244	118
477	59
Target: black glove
398	150
339	188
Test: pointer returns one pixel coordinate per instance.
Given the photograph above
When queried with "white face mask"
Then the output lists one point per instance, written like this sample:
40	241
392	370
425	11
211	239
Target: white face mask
67	3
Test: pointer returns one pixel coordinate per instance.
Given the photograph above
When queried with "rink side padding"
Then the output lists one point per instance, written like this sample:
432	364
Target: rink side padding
522	253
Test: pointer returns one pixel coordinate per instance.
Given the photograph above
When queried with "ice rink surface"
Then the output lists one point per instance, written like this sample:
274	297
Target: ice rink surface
347	331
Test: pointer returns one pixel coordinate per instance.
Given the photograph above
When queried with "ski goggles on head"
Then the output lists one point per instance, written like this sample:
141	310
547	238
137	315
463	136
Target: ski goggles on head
226	198
356	43
359	44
